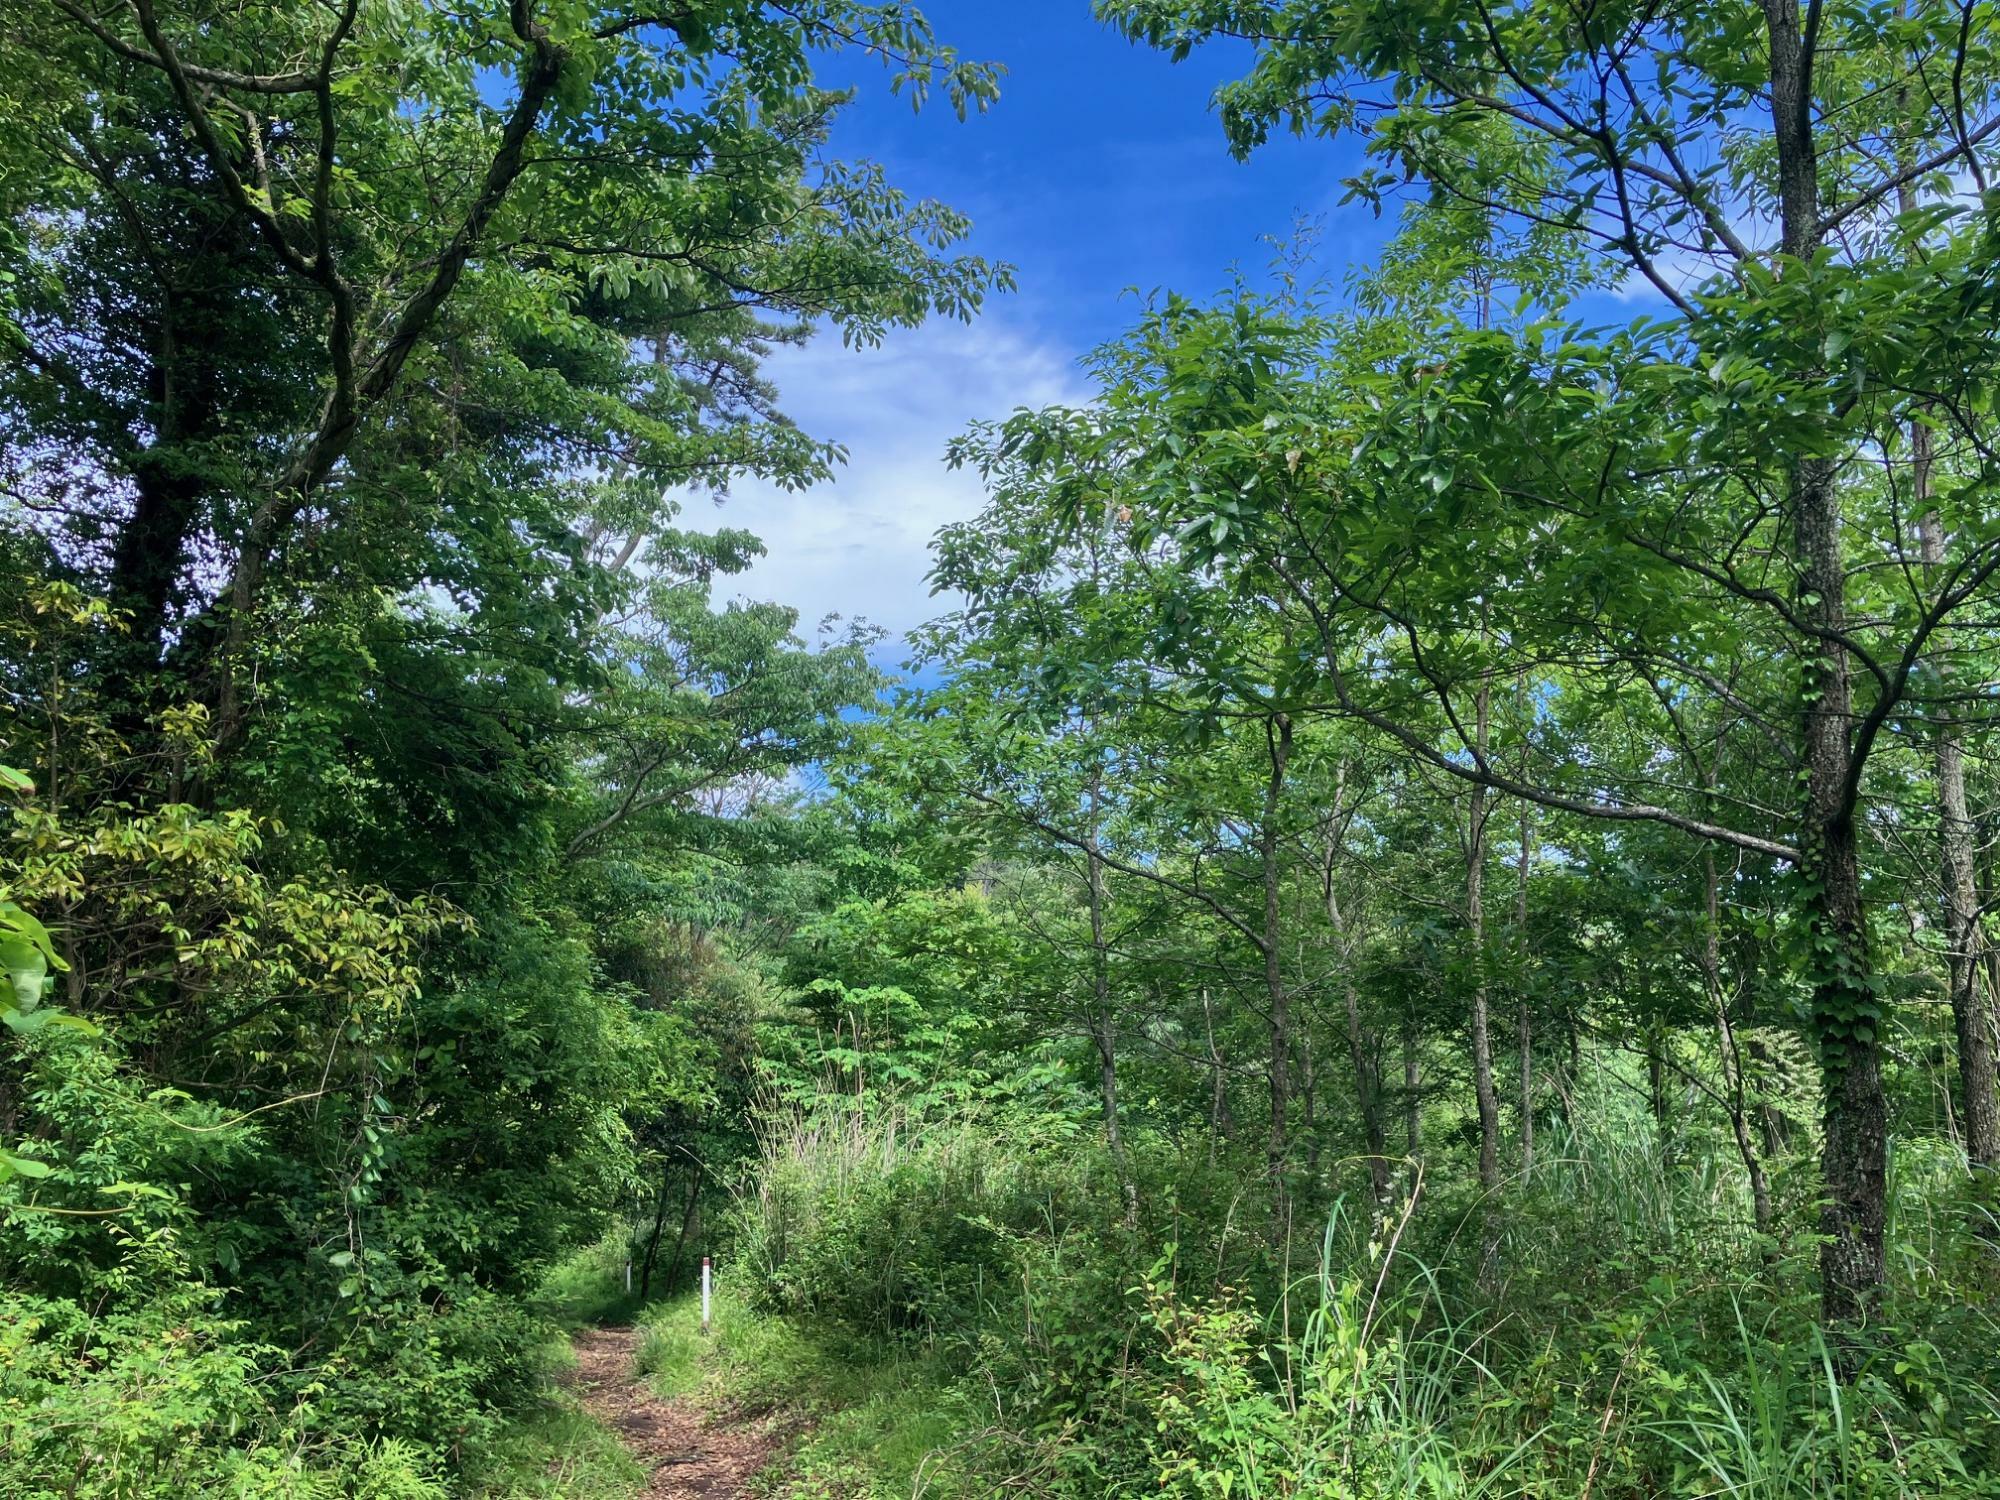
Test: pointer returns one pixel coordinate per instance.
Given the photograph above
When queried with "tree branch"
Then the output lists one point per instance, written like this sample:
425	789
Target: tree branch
252	83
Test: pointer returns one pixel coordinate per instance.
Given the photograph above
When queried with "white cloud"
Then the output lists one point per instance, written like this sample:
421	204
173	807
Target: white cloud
860	546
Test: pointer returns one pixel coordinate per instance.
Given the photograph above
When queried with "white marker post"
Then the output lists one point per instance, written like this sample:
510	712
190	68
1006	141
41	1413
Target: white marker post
628	1278
707	1283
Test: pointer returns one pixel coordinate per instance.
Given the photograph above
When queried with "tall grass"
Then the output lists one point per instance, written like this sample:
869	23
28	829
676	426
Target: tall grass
1378	1393
1779	1432
1606	1165
1610	1327
868	1219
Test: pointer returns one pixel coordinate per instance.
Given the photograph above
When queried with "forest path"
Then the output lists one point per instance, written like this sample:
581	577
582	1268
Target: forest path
690	1452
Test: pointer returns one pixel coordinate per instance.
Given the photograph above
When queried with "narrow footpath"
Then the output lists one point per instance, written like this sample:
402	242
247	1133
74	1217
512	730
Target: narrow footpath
690	1453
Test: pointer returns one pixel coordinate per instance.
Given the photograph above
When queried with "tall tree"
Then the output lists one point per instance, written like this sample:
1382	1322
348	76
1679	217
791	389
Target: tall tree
1645	116
307	250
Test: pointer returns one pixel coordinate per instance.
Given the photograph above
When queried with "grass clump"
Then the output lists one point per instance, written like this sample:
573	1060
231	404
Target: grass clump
968	1319
559	1453
871	1418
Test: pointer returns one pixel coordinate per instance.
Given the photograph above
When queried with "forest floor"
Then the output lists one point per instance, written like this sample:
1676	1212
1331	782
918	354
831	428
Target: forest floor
690	1450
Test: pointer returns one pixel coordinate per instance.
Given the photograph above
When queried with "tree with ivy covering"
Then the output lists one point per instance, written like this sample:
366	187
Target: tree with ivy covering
1764	169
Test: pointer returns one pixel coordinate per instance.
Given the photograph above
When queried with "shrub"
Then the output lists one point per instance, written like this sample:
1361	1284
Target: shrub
882	1226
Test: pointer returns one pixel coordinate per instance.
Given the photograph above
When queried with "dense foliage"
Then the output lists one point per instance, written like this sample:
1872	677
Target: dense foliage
1429	934
371	713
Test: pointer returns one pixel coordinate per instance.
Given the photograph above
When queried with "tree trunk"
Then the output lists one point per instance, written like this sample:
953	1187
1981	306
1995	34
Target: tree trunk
1725	1031
1475	920
680	1245
1413	1096
653	1242
151	548
1107	1081
169	483
1367	1077
1102	1022
1309	1105
1368	1096
1772	1125
1221	1123
1970	1002
1278	743
1656	1088
1524	1021
1847	1015
1525	1039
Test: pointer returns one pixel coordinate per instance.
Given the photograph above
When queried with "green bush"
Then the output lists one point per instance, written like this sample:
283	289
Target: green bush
881	1225
172	1400
149	1347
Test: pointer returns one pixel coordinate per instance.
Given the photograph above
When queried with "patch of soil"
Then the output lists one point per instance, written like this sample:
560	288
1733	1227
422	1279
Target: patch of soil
690	1453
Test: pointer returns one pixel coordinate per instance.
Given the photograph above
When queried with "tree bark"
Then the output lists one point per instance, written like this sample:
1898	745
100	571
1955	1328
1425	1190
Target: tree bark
1102	1023
1368	1096
170	482
1656	1091
1221	1123
1278	745
1475	921
680	1245
1773	1128
653	1241
1847	1015
1367	1075
1524	1021
1725	1032
1413	1096
1971	1011
1309	1106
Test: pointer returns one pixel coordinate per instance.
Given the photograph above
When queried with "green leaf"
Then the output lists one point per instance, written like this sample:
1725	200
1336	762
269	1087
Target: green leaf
22	1166
29	926
27	970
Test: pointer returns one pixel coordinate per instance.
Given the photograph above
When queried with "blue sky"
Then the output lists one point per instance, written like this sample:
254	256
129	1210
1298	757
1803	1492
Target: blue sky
1100	169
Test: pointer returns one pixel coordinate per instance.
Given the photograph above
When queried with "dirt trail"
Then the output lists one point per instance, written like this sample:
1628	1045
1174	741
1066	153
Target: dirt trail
691	1454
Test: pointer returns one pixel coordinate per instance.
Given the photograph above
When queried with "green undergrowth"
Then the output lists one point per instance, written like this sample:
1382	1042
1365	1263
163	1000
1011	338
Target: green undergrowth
1614	1329
874	1421
588	1291
553	1449
559	1453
